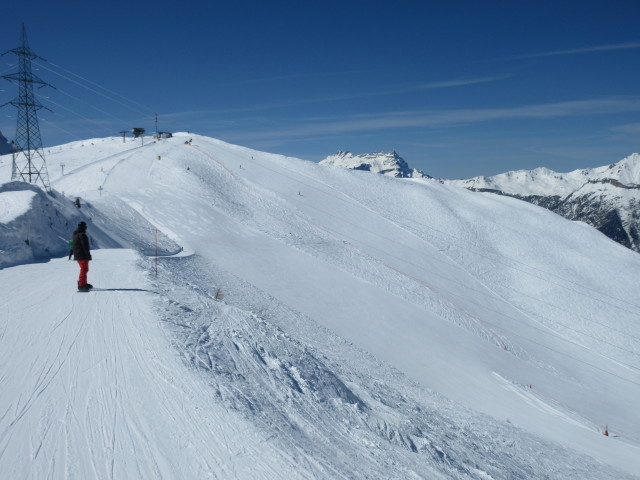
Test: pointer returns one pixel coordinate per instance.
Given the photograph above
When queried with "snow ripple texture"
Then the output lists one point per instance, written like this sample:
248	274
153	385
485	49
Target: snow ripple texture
337	418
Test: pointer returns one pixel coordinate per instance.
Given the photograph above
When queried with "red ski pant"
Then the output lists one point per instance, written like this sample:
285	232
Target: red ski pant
84	269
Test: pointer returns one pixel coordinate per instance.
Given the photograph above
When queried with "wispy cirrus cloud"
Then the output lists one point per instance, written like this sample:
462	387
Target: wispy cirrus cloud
437	118
336	97
629	128
576	51
294	76
461	82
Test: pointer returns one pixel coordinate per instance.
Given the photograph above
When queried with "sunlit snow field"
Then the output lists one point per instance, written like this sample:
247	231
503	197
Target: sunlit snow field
305	321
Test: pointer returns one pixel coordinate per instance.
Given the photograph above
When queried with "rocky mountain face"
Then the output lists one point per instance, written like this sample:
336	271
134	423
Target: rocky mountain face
5	146
607	198
390	164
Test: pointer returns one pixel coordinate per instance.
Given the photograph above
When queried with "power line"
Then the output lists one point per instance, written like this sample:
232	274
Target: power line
71	134
29	164
127	105
102	87
92	106
77	114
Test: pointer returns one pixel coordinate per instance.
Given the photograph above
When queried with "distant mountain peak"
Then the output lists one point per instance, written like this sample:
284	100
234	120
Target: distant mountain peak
390	164
627	170
5	146
604	197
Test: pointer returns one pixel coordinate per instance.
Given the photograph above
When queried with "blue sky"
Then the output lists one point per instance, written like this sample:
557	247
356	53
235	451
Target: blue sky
457	88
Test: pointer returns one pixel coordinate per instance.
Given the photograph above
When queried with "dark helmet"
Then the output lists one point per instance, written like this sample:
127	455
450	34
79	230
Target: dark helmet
82	226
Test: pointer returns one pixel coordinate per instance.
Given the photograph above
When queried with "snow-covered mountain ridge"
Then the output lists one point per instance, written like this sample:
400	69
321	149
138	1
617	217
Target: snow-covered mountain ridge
390	164
5	146
545	182
319	323
607	198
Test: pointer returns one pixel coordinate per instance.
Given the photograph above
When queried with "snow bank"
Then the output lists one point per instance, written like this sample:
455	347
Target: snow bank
14	204
39	225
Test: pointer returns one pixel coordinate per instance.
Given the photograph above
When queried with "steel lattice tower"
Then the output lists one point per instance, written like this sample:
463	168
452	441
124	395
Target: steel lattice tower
28	161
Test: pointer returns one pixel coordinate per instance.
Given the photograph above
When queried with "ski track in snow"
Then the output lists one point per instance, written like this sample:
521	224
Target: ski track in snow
230	364
102	396
258	369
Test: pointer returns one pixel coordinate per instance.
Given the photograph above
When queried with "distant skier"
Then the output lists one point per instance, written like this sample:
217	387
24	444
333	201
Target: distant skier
70	248
82	254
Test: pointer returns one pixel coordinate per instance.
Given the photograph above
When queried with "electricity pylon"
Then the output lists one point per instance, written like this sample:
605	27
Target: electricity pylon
28	160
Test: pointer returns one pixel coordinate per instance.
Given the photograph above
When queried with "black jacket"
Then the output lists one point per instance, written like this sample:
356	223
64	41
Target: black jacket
81	246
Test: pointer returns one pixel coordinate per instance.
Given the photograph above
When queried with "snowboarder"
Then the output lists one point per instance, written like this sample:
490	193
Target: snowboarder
82	254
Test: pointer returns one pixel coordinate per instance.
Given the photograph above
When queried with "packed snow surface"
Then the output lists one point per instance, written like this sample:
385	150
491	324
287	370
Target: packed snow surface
307	321
14	204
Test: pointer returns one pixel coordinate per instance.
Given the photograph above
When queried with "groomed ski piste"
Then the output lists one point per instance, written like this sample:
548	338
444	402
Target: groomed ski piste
302	321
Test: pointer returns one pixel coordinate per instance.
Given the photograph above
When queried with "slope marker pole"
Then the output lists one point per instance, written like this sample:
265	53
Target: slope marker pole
156	252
